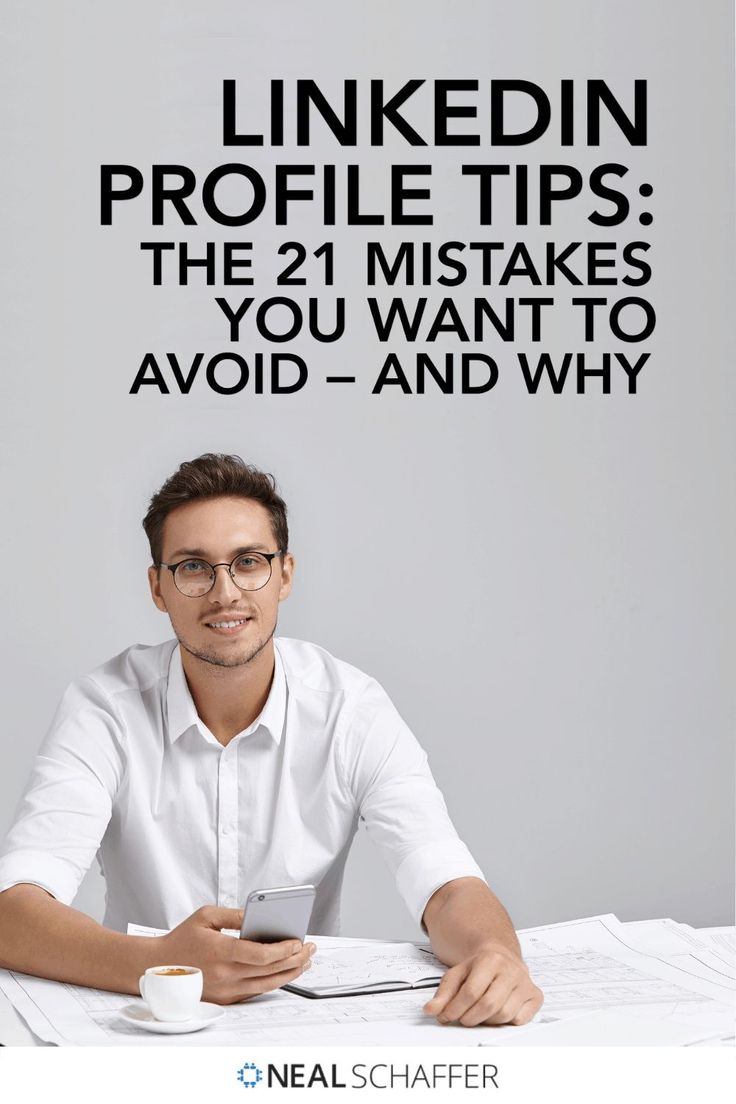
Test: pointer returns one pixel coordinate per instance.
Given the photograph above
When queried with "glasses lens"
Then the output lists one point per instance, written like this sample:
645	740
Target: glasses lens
251	571
193	577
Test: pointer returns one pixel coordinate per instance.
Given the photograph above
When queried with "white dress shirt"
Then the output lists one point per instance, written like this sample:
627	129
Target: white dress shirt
129	772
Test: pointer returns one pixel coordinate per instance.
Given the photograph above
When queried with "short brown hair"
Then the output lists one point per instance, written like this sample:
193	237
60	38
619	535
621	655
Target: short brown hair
214	475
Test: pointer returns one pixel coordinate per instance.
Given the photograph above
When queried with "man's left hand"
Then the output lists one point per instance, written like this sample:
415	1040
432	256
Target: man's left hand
491	986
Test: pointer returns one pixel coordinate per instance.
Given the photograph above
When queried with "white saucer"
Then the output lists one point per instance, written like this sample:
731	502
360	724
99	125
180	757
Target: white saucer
141	1015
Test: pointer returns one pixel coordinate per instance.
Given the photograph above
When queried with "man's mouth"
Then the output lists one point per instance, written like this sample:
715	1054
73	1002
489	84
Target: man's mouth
229	626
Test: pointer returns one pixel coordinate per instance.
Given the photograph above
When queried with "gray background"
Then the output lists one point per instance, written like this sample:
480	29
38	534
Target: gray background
570	679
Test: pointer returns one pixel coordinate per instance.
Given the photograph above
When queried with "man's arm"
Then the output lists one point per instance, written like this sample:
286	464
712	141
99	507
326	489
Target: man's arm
39	935
487	982
387	775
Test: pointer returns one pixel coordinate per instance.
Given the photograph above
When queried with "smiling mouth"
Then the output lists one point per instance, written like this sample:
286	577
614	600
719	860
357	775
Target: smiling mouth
228	627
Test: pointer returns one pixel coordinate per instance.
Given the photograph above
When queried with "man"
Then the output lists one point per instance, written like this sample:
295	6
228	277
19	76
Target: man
200	770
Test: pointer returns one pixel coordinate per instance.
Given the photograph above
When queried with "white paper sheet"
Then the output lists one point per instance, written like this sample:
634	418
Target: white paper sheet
608	1028
70	1014
604	970
584	966
677	977
671	940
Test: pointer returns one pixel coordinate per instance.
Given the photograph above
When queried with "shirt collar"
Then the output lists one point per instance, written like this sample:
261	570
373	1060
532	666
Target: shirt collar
182	712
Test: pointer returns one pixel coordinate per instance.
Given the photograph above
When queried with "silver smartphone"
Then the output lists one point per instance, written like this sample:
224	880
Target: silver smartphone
275	914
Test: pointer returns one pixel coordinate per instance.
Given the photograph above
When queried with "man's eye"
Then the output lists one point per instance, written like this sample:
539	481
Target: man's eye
247	563
192	567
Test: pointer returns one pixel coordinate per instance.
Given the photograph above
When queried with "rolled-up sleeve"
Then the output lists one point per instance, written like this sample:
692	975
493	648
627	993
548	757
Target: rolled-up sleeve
388	776
67	805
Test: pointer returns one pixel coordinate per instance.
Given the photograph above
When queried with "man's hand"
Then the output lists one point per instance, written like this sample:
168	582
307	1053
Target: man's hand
491	986
233	969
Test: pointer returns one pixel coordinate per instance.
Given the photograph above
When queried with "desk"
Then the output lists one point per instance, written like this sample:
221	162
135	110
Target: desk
606	983
274	1019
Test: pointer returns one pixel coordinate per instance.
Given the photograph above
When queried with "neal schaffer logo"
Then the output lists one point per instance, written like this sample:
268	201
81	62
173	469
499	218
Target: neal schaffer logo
249	1074
382	1075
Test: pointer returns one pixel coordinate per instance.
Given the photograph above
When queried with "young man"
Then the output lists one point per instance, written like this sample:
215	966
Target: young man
226	761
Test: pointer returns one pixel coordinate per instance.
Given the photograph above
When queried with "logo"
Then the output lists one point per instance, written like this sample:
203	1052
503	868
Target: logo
381	1075
249	1075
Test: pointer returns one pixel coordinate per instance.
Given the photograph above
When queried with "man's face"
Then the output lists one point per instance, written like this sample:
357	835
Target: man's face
217	530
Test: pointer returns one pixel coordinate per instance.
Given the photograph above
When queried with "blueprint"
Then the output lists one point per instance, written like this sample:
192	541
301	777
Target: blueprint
605	982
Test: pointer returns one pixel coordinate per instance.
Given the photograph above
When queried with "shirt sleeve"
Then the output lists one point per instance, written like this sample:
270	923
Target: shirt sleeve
388	776
67	804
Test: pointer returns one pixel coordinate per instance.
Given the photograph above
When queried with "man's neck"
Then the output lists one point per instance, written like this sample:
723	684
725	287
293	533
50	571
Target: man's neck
228	699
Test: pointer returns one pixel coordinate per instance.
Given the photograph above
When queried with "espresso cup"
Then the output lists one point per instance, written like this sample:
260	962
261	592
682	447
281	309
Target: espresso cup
172	992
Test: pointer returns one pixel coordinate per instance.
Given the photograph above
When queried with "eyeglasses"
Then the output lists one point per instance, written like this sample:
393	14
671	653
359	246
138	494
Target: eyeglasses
248	570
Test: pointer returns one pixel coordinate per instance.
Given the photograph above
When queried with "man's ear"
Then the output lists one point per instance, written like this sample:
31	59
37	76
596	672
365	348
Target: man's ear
288	564
154	581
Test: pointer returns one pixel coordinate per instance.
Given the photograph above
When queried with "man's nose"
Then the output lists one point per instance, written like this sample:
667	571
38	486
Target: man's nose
224	589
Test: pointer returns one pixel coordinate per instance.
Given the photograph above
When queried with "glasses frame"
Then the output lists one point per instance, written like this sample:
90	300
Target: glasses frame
270	556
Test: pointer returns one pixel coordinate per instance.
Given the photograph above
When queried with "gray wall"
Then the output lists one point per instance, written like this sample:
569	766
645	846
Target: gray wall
571	681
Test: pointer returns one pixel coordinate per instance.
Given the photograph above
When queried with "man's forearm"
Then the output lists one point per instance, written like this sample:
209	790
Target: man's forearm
41	936
462	916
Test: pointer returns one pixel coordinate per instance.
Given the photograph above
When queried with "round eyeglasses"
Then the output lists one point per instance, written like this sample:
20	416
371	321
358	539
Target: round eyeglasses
248	570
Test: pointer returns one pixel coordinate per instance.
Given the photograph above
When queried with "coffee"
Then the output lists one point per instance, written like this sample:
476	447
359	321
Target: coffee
172	992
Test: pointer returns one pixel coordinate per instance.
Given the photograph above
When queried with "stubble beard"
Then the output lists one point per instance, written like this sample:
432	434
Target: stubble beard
216	660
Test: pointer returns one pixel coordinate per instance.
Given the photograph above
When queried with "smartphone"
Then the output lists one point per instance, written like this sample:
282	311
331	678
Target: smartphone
275	914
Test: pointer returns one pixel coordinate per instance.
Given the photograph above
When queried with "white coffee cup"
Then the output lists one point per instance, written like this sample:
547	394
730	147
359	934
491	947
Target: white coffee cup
171	994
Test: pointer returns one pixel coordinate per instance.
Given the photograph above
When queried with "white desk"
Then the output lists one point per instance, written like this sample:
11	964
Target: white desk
596	972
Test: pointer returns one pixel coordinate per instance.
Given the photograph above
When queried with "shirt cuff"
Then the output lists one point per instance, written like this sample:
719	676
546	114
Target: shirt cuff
41	869
428	868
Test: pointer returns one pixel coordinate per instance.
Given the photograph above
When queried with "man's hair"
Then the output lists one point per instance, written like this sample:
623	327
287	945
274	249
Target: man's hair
214	475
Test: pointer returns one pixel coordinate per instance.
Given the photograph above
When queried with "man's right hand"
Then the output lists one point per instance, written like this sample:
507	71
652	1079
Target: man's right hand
233	969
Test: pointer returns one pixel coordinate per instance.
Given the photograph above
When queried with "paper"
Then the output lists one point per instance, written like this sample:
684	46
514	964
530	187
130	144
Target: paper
593	964
585	967
90	1017
647	977
607	1028
70	1014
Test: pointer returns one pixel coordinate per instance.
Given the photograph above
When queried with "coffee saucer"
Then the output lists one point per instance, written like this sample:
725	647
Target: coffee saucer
141	1015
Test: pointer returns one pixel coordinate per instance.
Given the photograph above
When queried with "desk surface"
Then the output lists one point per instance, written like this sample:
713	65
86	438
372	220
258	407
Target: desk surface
645	982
